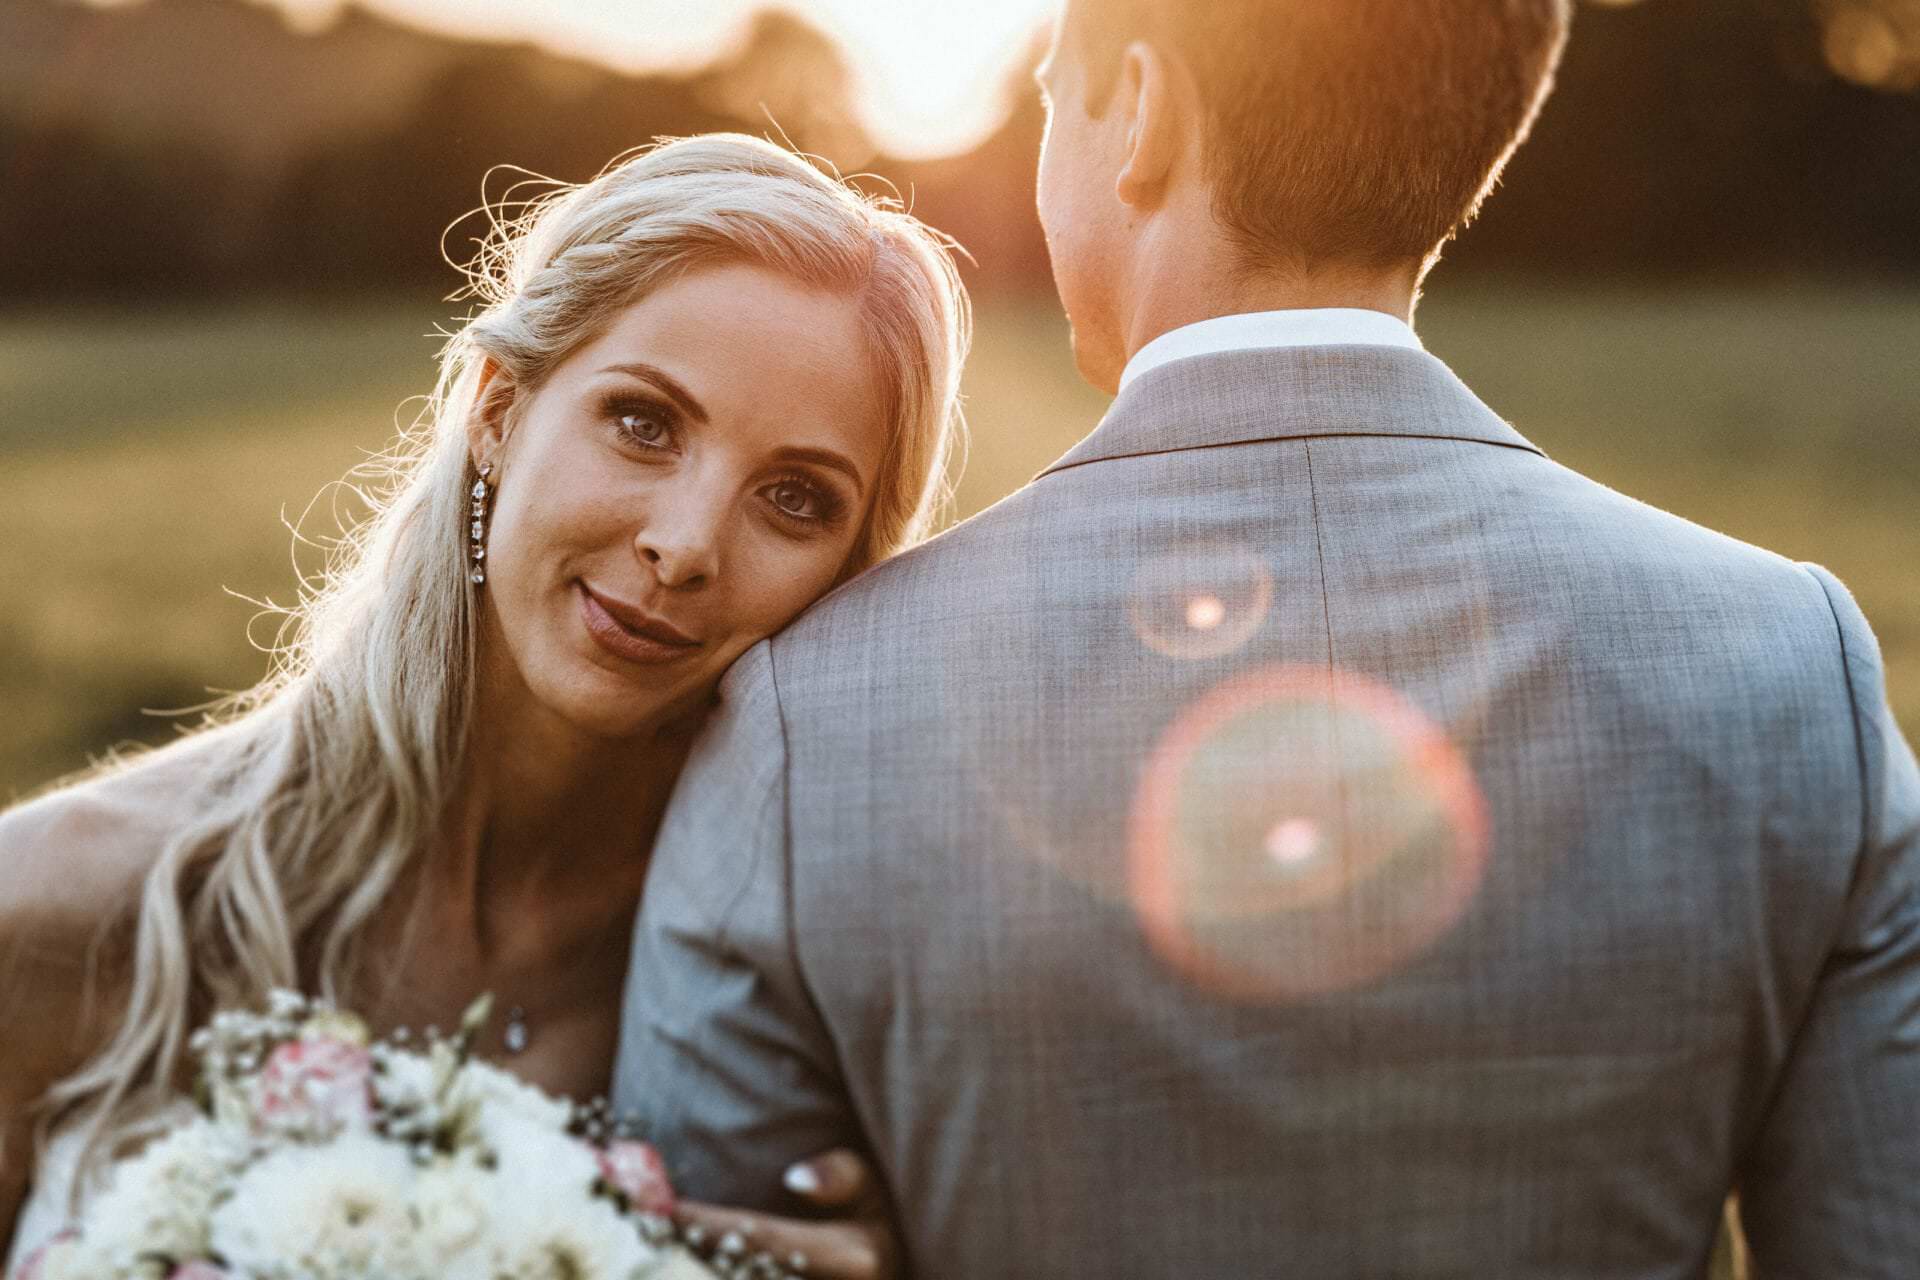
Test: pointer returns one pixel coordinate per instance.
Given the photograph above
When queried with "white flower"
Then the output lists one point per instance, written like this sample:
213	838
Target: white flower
527	1150
547	1229
495	1089
334	1212
232	1105
452	1212
677	1264
284	1005
160	1201
52	1260
401	1076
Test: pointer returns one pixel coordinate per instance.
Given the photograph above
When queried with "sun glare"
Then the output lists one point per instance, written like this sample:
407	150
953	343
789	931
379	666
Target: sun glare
929	74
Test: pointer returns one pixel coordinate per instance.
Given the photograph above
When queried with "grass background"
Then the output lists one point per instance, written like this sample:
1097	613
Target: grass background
147	459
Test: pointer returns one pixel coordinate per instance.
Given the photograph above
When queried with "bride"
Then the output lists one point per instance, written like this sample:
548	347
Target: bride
706	387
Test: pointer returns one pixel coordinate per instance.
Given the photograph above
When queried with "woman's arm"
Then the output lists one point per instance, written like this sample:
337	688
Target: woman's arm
31	996
67	867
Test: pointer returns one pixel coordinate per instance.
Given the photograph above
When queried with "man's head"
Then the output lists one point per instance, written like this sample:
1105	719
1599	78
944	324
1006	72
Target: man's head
1303	138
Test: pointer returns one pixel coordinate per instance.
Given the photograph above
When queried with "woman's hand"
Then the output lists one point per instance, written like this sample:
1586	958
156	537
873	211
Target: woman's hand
857	1244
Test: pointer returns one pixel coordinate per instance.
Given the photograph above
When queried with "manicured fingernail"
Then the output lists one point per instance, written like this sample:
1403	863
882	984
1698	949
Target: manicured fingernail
802	1179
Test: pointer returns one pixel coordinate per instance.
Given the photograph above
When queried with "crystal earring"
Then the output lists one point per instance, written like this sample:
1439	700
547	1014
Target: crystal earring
479	530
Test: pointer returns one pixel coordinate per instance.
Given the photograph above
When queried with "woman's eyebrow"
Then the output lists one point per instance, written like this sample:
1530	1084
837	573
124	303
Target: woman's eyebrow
823	458
671	387
666	383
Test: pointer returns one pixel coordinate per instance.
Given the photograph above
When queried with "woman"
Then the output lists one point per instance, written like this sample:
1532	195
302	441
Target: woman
706	387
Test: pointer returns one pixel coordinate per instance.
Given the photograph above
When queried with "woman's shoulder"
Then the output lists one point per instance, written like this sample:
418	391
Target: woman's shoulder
72	861
81	848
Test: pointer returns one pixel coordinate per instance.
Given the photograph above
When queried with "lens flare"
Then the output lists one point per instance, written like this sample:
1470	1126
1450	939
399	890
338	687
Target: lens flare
1300	831
1204	613
1864	46
1202	600
1294	842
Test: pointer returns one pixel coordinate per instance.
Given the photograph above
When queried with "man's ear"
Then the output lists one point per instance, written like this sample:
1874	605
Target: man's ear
1150	97
489	416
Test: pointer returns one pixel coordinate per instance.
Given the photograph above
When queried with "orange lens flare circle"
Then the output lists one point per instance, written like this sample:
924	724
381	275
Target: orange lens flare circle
1203	600
1298	832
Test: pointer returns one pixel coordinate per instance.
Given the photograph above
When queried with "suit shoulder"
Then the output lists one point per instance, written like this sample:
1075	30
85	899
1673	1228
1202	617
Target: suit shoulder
1860	655
1693	616
920	581
1659	549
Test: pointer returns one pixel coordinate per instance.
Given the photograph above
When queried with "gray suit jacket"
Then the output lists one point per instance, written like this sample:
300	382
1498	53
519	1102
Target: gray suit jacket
1306	832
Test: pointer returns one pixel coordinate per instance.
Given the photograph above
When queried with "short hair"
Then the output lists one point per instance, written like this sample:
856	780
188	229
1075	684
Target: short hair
1354	131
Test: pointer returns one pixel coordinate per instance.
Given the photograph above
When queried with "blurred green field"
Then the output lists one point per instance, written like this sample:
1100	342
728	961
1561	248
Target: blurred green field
147	458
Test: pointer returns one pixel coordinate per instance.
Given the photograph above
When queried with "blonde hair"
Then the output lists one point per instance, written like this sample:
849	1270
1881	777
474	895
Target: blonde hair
330	776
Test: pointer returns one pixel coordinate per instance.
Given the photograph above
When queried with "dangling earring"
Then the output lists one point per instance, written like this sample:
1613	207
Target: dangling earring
479	530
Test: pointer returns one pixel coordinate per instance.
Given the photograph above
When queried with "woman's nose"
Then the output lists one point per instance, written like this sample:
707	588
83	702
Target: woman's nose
681	540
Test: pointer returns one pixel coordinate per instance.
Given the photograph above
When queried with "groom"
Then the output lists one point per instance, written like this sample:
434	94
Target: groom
1307	831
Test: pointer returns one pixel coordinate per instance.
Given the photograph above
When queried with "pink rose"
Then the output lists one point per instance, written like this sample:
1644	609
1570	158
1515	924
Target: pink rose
30	1268
637	1172
322	1083
196	1271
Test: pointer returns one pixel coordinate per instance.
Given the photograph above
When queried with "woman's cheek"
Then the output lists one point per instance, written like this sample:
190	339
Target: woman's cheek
811	576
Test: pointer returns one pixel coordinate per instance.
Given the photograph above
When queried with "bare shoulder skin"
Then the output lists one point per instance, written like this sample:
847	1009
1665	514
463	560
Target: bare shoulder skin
71	862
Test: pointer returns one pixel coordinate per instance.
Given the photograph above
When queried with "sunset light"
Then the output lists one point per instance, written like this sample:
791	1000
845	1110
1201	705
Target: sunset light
715	640
928	76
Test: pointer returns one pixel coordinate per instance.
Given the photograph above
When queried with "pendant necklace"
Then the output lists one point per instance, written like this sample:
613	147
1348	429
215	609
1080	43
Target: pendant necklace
517	1035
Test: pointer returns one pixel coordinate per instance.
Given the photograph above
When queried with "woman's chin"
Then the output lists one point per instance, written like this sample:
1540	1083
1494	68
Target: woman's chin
604	705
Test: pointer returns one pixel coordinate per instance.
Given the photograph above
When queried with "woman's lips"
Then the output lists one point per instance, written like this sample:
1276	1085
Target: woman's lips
631	633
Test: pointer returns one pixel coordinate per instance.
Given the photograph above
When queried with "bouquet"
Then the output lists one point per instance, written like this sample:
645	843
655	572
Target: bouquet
317	1154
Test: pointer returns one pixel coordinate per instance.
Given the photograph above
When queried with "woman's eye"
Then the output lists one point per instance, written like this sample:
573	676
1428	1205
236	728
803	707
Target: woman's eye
644	427
801	501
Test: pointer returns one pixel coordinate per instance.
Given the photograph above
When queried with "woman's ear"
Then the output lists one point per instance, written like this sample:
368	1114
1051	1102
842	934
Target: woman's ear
489	416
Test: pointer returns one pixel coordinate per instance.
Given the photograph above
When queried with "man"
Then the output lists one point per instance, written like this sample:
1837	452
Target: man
1306	831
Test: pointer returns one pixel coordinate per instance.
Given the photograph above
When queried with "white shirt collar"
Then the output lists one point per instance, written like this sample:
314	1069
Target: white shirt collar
1323	327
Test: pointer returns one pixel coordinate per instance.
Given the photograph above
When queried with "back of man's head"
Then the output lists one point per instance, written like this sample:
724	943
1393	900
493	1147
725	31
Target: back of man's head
1353	132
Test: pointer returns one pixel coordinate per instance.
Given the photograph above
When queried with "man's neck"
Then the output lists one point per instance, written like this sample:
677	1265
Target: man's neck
1162	310
1215	281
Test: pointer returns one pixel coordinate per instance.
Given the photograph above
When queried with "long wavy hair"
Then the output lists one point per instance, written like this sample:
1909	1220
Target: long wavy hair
316	789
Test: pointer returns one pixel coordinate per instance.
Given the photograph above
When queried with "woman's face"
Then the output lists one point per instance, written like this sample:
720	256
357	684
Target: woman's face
678	489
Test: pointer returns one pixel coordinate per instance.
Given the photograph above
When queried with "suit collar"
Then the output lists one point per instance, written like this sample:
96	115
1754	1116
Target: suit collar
1239	397
1262	330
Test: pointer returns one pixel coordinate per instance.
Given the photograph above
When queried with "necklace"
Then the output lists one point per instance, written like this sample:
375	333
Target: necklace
518	1035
